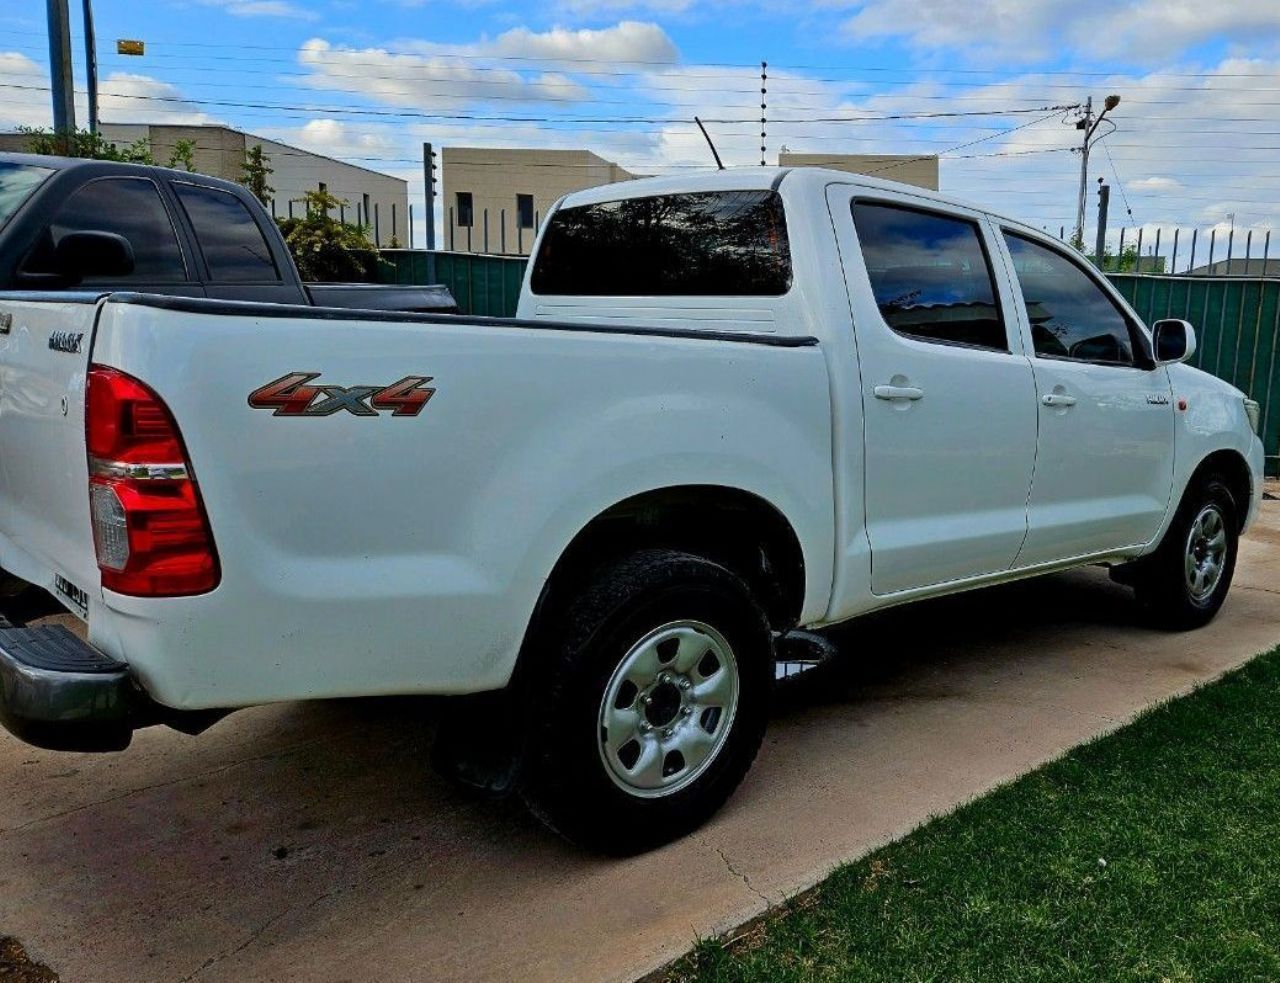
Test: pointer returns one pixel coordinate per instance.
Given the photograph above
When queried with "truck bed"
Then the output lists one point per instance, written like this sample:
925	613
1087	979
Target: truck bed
365	551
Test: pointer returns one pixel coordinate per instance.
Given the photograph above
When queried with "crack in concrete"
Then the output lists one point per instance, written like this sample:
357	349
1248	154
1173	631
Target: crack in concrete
741	875
227	954
1265	590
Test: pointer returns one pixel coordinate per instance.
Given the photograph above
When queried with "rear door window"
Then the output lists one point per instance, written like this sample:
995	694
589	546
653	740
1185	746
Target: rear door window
231	242
128	206
930	275
701	244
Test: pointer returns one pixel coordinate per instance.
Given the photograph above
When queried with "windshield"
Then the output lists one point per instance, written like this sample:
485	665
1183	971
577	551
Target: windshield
17	181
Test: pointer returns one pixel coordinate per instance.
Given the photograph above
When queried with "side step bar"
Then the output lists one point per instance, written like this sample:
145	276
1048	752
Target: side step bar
798	651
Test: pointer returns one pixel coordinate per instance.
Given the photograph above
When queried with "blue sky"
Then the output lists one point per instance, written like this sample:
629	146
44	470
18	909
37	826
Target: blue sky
1199	125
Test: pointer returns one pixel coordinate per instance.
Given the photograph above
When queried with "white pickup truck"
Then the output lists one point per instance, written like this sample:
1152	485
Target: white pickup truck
733	408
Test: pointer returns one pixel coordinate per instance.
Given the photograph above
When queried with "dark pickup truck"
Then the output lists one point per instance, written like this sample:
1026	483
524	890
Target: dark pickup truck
67	223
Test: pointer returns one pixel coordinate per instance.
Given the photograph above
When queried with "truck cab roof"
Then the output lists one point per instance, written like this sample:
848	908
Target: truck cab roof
801	180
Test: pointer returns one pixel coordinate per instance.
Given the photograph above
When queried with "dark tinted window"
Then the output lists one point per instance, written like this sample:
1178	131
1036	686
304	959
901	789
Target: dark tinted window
232	244
465	217
129	207
930	275
524	211
1070	315
719	243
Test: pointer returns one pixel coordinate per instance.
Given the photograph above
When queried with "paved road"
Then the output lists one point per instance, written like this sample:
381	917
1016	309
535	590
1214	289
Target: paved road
304	842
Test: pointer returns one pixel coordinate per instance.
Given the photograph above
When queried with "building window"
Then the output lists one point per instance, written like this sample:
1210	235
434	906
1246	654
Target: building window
323	187
524	211
465	217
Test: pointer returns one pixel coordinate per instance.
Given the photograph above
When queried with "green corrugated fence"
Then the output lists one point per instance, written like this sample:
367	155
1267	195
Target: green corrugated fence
486	286
1237	322
1237	319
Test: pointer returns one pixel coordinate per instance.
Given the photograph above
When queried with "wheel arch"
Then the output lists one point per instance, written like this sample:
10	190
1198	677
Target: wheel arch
738	529
1232	467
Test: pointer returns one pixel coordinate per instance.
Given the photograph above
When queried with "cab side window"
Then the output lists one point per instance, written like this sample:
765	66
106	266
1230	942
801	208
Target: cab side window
128	206
930	275
1071	317
232	244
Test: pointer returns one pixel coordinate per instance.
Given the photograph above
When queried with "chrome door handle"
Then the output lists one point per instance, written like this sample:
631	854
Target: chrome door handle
898	392
1057	399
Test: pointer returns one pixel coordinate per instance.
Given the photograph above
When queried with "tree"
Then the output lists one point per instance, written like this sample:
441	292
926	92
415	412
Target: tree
82	143
324	248
254	171
184	153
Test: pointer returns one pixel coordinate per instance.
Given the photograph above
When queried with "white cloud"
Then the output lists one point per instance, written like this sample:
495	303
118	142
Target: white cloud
122	97
129	98
1034	30
454	76
267	8
438	81
23	106
1157	184
627	41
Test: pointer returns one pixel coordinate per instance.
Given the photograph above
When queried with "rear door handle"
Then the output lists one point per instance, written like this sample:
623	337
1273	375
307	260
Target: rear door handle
1058	399
898	392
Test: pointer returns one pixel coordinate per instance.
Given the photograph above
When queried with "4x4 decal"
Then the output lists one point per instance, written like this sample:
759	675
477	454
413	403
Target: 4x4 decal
292	395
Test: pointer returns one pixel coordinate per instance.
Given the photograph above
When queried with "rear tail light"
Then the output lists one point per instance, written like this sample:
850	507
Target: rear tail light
150	531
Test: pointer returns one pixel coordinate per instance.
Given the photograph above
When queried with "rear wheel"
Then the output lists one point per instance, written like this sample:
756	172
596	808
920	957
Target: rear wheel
1184	583
650	703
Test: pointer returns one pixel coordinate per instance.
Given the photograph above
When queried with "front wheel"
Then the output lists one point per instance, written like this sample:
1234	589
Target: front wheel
652	702
1184	583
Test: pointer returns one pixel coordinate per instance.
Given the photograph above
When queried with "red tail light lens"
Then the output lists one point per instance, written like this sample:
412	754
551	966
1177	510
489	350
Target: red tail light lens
149	526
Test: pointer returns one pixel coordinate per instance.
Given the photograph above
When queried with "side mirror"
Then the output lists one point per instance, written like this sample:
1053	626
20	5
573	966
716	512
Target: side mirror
81	255
1174	340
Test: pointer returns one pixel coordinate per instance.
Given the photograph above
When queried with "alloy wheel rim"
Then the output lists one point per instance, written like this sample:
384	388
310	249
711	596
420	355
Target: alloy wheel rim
1206	552
668	709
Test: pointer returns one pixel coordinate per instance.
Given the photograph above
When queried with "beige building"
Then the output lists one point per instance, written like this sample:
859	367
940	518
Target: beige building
493	200
377	200
920	171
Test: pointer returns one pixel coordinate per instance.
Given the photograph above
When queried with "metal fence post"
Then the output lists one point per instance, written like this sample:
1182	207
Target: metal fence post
486	230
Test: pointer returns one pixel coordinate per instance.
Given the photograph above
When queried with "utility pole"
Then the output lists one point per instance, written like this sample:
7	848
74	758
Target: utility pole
91	65
1104	199
64	105
429	184
1089	124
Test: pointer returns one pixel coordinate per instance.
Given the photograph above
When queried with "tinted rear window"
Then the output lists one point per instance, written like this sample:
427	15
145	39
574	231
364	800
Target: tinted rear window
717	243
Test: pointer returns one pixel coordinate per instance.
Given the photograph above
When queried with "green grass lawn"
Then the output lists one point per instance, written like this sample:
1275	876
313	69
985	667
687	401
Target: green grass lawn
1151	854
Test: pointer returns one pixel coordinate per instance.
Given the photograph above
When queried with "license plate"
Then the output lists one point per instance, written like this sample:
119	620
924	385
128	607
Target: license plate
73	595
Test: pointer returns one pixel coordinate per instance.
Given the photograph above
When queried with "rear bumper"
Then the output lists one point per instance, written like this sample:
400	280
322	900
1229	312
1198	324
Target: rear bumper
59	692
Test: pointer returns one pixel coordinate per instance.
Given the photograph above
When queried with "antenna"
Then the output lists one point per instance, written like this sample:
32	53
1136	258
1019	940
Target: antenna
719	164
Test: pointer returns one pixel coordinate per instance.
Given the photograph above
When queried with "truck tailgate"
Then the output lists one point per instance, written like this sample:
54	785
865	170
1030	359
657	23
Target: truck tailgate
45	535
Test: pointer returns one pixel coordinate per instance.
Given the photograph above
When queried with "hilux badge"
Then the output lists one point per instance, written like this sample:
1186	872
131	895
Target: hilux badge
66	341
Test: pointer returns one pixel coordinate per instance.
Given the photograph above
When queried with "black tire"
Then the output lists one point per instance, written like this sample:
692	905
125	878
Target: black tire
1163	585
568	784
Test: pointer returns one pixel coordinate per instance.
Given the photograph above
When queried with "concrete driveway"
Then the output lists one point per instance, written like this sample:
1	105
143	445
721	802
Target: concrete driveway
307	842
